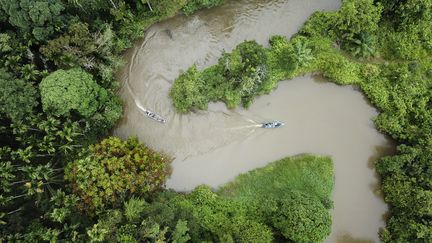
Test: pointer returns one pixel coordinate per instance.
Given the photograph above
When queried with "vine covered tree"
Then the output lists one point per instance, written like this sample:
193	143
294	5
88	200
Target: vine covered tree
119	170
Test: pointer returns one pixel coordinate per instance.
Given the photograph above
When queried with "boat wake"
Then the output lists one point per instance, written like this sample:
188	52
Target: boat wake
146	112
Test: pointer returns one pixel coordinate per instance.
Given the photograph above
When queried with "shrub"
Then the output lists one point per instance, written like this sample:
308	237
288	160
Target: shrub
407	13
355	21
187	91
301	218
221	220
237	78
166	7
298	55
410	44
320	24
282	55
339	69
363	45
245	70
356	16
215	84
408	190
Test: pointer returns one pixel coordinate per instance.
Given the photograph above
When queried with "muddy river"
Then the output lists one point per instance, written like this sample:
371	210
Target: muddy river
212	147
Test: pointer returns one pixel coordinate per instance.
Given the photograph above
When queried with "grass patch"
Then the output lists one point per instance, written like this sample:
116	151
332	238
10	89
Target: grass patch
307	173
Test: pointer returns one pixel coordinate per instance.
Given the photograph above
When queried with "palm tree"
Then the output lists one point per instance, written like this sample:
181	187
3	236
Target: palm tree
363	45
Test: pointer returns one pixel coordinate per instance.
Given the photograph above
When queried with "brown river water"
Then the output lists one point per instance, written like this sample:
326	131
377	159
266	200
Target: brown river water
212	147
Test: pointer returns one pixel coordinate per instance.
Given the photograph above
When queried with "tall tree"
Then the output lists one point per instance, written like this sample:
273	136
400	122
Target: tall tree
38	19
119	170
17	98
74	90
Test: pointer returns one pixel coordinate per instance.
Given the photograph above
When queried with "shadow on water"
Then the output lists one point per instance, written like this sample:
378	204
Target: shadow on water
380	151
319	78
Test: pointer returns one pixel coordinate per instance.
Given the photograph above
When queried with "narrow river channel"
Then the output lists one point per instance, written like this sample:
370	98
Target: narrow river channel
212	147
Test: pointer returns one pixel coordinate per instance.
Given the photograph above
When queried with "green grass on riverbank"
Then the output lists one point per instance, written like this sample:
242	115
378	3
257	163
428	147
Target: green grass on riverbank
292	195
310	174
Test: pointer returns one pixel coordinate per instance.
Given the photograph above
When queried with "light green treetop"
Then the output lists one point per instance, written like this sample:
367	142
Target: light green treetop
64	91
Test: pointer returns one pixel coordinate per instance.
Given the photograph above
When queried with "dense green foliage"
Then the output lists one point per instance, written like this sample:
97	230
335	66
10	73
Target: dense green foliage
73	90
306	173
301	218
384	47
229	215
57	85
34	19
237	78
405	13
293	196
130	213
119	170
188	92
17	98
201	216
407	183
57	64
356	21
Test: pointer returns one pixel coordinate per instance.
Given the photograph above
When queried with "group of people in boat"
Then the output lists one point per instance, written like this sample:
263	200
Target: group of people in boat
273	124
154	116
